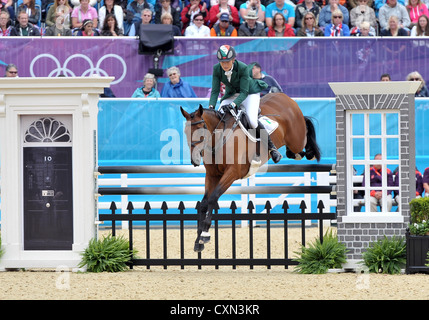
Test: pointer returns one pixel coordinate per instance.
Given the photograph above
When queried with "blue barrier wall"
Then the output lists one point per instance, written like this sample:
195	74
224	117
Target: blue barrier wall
150	131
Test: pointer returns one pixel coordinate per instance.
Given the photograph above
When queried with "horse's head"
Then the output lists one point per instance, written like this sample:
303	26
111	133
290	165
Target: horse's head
195	131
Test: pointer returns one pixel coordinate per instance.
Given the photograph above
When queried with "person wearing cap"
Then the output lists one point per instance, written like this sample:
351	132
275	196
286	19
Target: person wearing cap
241	90
251	27
223	7
223	29
198	29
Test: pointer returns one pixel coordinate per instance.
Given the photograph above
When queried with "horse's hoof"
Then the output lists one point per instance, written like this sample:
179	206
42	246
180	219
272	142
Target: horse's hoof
298	156
198	247
204	237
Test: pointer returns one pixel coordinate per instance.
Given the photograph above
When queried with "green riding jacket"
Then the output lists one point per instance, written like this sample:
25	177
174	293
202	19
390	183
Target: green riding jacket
241	82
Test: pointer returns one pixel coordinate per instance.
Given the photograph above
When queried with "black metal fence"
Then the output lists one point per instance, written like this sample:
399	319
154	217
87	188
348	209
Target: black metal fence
232	217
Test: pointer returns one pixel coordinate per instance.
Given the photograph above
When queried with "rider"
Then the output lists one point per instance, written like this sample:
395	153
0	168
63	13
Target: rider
240	89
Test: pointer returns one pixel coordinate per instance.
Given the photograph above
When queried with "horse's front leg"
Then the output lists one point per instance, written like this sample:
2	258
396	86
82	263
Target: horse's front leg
204	215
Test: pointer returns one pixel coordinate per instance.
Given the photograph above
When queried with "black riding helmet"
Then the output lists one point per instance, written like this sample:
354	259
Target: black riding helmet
226	53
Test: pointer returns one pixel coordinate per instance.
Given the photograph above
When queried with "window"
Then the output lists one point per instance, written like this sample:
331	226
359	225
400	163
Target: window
373	148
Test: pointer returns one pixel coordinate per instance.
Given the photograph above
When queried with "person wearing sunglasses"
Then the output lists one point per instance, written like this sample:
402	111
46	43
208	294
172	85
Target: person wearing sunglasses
11	71
177	87
325	16
422	91
337	28
197	29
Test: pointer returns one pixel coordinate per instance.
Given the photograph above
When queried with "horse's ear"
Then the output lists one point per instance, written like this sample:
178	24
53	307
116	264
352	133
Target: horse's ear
185	114
201	110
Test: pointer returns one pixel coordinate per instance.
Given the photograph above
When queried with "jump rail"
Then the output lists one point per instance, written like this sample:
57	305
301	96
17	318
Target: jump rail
200	169
200	190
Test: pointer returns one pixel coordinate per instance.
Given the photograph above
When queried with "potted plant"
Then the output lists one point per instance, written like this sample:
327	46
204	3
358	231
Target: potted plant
417	236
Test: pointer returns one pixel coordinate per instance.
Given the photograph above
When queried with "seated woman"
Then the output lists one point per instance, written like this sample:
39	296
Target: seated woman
87	29
421	29
309	26
110	8
393	29
148	90
59	8
83	12
337	28
280	28
29	6
110	27
176	87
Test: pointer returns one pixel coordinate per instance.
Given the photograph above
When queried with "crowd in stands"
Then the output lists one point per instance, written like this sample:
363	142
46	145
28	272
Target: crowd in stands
205	18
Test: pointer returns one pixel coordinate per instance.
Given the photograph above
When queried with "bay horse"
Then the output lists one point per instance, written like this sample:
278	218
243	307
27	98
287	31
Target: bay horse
225	164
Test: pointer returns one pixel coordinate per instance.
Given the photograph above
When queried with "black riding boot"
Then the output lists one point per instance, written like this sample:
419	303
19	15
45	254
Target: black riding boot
275	154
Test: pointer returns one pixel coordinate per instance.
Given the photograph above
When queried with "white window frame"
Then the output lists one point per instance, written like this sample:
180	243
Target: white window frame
367	216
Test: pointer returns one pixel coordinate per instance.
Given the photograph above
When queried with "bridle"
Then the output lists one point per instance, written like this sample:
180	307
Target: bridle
203	139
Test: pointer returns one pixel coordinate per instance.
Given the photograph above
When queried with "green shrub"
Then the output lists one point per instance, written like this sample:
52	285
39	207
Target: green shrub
1	250
386	255
319	257
419	214
108	254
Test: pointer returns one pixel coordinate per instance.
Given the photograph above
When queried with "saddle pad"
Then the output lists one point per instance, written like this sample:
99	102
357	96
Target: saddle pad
269	124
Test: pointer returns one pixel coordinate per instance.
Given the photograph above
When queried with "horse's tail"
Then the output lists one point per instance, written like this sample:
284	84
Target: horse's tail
312	149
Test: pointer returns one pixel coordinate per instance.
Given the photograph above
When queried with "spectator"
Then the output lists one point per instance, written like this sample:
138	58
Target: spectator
23	27
59	8
29	6
110	27
325	16
287	10
146	18
422	91
393	28
167	18
197	29
337	28
148	90
361	13
254	5
351	4
304	7
223	29
224	7
375	179
164	6
385	77
280	28
87	29
83	12
11	71
8	6
426	182
393	8
310	28
58	29
251	27
364	30
134	14
75	3
419	183
110	7
190	10
207	2
421	29
176	87
273	85
5	22
416	8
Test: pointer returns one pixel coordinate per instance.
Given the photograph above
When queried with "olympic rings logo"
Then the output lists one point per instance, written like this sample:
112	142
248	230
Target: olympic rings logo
89	72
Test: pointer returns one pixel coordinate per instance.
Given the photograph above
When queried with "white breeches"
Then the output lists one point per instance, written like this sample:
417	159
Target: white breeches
251	105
